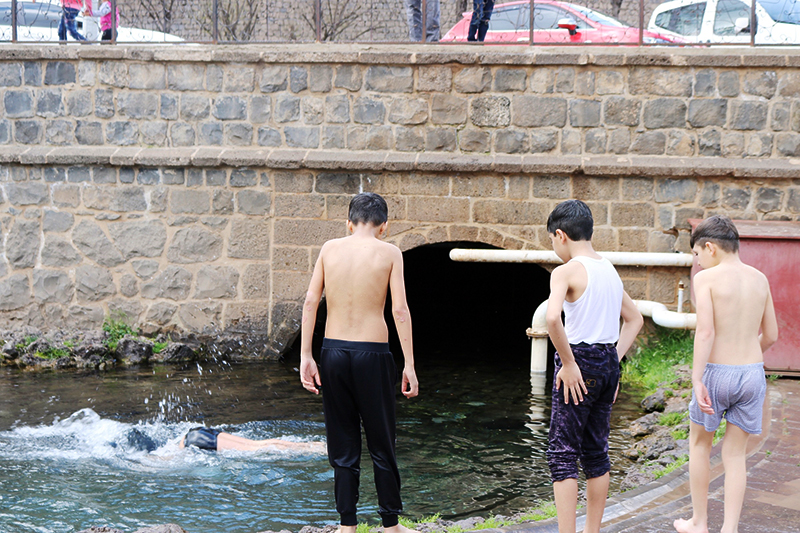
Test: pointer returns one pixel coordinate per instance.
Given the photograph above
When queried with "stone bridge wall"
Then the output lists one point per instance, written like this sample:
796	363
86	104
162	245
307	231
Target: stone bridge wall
191	188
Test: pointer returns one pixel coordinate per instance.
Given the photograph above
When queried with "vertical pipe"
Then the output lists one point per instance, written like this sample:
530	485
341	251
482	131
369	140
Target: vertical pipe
753	23
215	22
318	19
14	21
114	22
530	36
641	22
538	334
424	37
681	296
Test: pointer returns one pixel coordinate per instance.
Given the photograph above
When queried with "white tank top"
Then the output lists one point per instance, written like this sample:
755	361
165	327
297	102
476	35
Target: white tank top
594	317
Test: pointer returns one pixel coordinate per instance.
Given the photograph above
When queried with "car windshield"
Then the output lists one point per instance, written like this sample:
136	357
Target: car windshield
787	11
594	16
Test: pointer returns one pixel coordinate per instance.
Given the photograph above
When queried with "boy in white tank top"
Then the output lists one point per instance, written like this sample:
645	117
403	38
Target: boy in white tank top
589	347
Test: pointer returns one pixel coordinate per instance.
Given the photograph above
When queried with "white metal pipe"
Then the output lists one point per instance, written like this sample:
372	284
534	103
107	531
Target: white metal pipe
664	317
681	296
548	256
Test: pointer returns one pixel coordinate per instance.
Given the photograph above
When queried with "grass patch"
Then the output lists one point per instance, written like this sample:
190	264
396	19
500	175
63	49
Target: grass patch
116	328
654	363
772	378
672	419
52	353
159	347
69	343
720	432
680	434
679	462
543	512
27	341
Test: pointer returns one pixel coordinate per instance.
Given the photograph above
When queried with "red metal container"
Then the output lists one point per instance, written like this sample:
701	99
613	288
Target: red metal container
773	247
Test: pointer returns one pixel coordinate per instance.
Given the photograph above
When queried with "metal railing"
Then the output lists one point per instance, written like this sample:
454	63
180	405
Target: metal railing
521	22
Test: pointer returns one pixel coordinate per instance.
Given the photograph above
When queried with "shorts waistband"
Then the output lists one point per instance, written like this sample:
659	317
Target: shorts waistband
357	346
599	345
717	366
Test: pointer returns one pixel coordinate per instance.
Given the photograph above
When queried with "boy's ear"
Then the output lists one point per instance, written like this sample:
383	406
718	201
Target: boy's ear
561	236
711	247
383	230
349	226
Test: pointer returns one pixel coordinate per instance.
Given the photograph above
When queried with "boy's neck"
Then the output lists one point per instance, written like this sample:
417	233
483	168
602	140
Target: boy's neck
366	231
581	248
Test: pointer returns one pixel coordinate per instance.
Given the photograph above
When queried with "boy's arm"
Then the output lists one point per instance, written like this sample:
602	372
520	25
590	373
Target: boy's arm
402	320
570	375
632	322
309	375
703	340
769	324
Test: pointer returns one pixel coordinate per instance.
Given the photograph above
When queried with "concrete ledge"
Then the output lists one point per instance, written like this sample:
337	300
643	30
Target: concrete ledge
376	161
415	54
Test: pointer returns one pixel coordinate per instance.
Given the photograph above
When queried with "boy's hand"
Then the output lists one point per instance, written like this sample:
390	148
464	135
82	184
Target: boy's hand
570	377
309	375
410	386
703	398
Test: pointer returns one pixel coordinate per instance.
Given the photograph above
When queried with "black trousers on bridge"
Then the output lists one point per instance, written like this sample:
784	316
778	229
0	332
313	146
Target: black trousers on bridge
358	382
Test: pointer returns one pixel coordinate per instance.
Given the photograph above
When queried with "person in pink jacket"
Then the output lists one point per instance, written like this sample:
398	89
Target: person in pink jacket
70	10
105	20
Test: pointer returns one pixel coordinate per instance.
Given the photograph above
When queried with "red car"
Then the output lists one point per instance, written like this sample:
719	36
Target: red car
554	22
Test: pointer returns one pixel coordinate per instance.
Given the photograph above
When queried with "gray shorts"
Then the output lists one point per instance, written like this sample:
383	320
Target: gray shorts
737	393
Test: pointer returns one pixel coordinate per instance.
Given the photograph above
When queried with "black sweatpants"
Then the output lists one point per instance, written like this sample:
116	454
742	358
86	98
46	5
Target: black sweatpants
358	382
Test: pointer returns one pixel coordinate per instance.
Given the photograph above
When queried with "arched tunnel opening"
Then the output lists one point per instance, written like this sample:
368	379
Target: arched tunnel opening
462	312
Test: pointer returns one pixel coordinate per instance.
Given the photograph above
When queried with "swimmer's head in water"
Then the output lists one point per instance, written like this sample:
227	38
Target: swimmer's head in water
137	440
203	438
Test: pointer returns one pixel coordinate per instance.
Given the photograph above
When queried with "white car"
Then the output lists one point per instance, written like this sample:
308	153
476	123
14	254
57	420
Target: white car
728	21
38	21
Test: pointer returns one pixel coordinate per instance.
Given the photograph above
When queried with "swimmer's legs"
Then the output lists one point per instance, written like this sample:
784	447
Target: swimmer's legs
734	459
226	441
700	442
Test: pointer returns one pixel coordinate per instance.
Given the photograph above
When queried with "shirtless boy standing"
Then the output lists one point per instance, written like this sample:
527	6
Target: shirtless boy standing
589	347
357	370
733	302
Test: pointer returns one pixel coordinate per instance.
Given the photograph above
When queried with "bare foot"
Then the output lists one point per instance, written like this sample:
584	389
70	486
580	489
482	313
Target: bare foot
399	528
688	526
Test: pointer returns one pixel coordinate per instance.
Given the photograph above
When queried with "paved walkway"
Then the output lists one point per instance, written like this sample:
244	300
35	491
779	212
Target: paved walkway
772	501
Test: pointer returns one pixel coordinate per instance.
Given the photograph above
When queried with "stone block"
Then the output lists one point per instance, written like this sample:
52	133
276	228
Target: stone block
565	80
708	112
28	131
536	111
93	243
448	109
312	109
409	139
169	106
333	137
66	195
295	259
122	133
238	134
269	137
79	174
660	81
570	141
230	108
337	108
759	145
584	83
584	113
637	188
59	73
173	282
732	144
79	103
200	316
468	141
595	188
390	79
676	190
15	292
144	268
320	78
594	141
150	75
368	110
609	82
55	174
507	212
154	133
93	283
434	79
748	115
194	245
426	209
194	107
252	202
287	108
185	76
57	221
793	201
491	111
89	133
788	144
52	286
104	103
160	313
768	199
128	286
22	244
26	193
379	138
543	140
543	80
680	143
709	143
348	77
508	141
11	74
408	111
85	317
415	184
138	105
649	143
760	83
290	285
114	73
664	113
479	186
216	282
50	103
736	197
302	136
632	214
260	109
307	232
705	82
59	132
249	239
440	139
338	182
510	80
299	205
473	80
298	79
139	239
556	187
633	240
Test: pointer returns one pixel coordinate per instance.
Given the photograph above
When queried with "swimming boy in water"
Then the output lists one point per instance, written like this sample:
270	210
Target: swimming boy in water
733	302
216	440
589	348
357	372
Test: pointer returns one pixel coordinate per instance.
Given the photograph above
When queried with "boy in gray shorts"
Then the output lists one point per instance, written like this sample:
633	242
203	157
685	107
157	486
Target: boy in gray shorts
733	303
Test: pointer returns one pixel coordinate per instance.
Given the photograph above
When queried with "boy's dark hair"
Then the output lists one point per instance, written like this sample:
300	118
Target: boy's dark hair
369	208
574	218
718	229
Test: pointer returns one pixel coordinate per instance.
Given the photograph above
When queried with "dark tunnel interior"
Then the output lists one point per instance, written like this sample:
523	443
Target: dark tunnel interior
462	311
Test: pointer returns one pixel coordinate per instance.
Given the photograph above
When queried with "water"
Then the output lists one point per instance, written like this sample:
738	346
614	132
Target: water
72	447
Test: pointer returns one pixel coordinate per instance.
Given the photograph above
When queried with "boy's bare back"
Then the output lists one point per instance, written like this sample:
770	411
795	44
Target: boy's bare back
357	272
737	296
